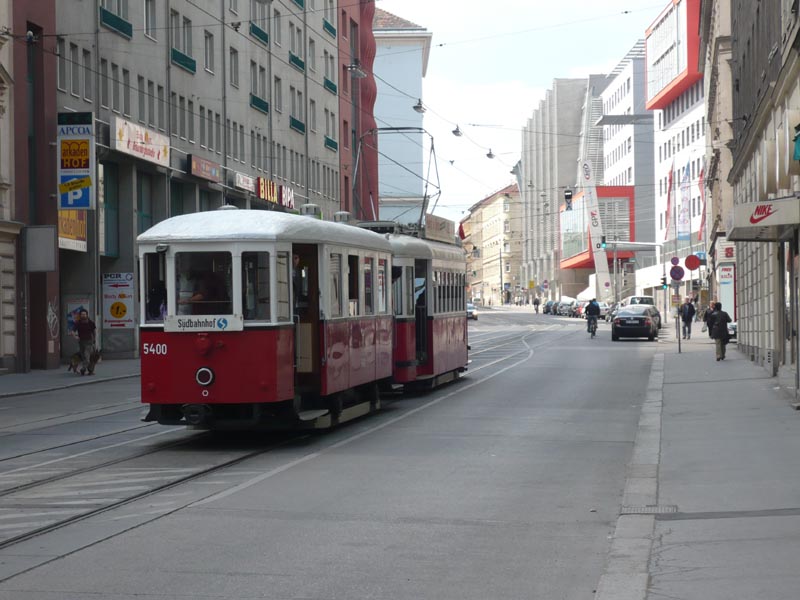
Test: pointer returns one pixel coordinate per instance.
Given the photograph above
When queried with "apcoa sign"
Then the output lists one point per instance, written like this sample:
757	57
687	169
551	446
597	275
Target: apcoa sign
76	164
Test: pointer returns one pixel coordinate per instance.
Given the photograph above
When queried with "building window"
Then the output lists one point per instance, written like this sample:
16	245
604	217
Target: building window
118	7
276	21
187	37
208	51
190	120
312	114
174	28
234	66
142	93
202	127
61	50
75	69
312	54
278	91
150	18
88	69
345	127
126	92
151	103
162	101
114	87
233	5
262	82
173	113
104	82
258	13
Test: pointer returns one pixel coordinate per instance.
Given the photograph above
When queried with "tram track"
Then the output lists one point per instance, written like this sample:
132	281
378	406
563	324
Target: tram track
511	358
81	515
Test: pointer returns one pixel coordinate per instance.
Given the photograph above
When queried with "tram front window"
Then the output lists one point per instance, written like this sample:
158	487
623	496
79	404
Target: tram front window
203	283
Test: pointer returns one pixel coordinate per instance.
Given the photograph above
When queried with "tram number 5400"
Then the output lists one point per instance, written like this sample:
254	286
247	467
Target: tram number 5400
157	349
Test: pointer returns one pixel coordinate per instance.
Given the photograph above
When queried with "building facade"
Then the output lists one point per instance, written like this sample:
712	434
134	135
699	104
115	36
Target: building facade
401	61
547	168
34	53
493	241
676	94
9	227
765	175
628	152
190	107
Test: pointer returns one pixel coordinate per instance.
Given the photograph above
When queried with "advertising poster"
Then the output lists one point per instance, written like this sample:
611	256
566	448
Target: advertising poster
74	305
118	301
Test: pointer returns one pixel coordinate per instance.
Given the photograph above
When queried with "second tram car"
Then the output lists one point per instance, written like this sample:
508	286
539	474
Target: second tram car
265	319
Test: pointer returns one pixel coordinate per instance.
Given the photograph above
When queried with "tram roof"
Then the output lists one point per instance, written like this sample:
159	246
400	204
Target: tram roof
413	247
259	225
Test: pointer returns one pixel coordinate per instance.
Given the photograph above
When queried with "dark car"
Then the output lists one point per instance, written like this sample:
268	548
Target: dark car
636	320
471	312
548	307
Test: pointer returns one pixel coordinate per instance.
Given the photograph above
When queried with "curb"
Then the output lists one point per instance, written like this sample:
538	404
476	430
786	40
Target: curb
66	385
627	575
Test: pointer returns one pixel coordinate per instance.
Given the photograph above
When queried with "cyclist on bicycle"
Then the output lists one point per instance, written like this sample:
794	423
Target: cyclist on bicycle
592	311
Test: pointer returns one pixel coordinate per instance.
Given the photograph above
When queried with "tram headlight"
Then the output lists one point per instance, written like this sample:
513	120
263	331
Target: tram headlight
204	376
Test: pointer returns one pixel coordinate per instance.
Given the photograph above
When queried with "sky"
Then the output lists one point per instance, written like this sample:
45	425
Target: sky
490	65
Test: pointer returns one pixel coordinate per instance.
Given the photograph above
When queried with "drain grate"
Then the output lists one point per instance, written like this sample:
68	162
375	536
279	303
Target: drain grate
650	509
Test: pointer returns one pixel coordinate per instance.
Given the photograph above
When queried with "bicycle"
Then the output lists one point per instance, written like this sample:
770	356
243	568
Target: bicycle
592	325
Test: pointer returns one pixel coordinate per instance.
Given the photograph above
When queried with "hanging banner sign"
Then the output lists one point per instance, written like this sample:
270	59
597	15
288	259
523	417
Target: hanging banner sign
72	230
139	141
592	204
76	161
118	301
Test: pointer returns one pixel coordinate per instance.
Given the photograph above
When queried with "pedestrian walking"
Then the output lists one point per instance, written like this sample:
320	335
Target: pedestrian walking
718	325
536	303
707	316
687	316
87	335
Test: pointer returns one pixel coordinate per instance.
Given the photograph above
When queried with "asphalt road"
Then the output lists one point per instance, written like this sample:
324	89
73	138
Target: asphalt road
506	484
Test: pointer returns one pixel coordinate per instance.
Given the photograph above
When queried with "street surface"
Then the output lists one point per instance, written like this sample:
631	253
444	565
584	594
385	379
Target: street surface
505	484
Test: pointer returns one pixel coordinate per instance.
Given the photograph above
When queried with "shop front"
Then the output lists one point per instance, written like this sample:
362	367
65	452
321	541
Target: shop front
767	307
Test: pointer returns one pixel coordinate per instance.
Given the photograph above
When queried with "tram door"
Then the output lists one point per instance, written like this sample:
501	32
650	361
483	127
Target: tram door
421	300
305	292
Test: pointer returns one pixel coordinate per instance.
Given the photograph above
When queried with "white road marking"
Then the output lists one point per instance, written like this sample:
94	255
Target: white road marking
348	441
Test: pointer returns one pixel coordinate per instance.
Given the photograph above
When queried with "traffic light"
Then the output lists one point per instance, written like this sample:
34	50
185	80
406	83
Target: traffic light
664	283
603	242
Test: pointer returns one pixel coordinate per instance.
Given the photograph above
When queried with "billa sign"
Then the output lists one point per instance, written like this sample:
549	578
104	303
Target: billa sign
270	191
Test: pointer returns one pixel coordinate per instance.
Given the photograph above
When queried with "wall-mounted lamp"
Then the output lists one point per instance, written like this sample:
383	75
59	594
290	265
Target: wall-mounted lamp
418	107
490	154
457	131
355	69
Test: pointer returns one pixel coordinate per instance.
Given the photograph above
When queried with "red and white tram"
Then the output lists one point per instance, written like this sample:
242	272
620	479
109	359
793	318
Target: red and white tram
258	318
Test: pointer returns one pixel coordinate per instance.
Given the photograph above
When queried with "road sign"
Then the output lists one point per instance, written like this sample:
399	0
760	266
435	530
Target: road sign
676	273
692	262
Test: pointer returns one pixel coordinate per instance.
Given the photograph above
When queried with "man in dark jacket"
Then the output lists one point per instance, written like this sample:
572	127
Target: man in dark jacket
718	325
687	316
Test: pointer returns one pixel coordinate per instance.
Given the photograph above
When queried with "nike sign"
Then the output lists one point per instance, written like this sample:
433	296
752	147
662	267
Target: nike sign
761	212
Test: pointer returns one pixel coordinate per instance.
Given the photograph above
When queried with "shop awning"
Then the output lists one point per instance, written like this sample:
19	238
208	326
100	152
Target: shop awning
766	221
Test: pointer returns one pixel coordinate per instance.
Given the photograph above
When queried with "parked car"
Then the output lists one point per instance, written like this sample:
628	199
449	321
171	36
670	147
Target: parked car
732	330
565	308
471	312
612	311
604	308
636	320
629	300
548	307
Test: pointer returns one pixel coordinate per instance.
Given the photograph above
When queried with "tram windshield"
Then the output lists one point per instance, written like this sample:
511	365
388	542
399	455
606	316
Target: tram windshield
203	283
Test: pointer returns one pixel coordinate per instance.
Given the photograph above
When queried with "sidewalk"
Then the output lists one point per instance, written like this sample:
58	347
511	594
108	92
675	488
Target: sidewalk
711	508
36	381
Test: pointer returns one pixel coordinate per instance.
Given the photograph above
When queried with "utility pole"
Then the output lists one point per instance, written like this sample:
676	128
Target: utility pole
501	276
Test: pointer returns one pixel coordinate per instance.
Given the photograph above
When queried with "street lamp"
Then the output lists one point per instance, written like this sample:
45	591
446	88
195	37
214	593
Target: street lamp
419	107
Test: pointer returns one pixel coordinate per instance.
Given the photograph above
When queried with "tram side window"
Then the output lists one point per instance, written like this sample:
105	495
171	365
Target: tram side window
397	290
203	283
155	273
335	281
255	286
282	279
438	285
352	286
381	287
409	291
369	305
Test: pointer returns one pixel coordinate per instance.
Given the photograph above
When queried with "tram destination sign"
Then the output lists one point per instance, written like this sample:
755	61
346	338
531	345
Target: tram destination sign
203	323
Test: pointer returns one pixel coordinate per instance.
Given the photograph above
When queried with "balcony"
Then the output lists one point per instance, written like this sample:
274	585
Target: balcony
184	61
330	86
300	3
297	125
259	104
331	144
258	33
116	23
328	28
297	62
